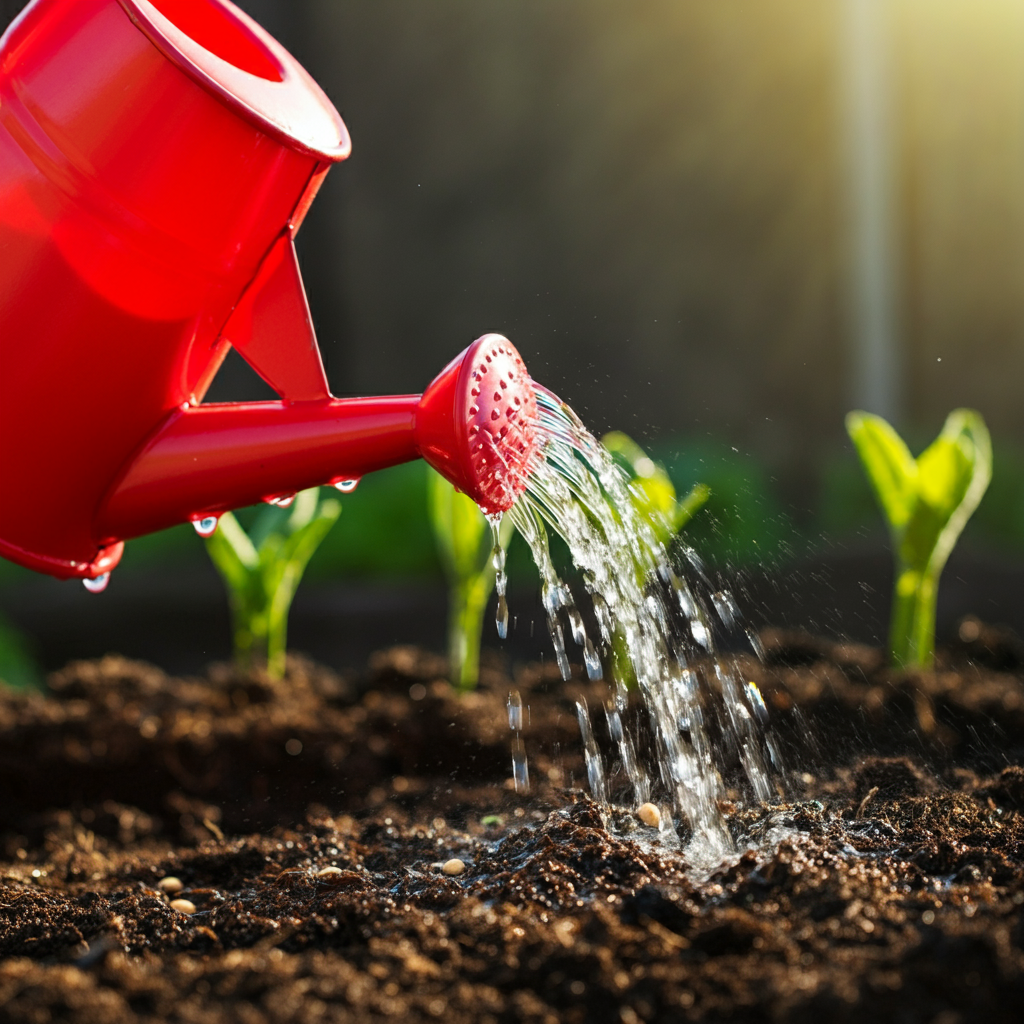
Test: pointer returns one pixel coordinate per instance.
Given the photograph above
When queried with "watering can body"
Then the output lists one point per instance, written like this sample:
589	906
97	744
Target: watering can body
156	160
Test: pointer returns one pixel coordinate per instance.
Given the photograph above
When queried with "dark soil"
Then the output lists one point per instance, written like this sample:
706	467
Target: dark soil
308	822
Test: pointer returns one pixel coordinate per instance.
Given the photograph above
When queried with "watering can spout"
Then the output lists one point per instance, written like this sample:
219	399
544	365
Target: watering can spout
474	424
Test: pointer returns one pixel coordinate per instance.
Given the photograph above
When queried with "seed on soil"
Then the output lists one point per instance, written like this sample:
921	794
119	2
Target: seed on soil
329	872
649	814
183	906
170	884
453	866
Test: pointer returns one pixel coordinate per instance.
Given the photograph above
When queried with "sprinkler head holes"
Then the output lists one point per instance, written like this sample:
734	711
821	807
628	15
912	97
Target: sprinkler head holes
499	412
476	423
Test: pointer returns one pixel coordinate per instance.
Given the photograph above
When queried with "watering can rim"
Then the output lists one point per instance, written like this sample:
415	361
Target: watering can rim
292	109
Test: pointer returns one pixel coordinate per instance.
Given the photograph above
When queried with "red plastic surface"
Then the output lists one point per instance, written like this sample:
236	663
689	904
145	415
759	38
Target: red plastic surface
155	161
475	423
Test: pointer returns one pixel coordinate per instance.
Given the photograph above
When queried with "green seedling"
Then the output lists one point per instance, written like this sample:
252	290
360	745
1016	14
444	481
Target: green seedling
926	502
262	569
465	542
654	496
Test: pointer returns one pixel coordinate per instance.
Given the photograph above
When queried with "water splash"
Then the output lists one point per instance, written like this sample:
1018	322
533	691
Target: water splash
655	634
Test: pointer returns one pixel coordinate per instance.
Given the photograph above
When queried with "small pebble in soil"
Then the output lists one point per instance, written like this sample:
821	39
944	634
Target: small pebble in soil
183	906
329	872
170	884
649	814
453	866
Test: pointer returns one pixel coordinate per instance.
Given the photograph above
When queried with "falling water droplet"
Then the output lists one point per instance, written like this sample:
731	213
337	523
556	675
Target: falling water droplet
604	617
614	722
501	617
207	526
515	710
579	634
595	766
281	500
97	585
553	597
559	644
726	607
699	632
756	700
755	643
520	768
592	661
347	486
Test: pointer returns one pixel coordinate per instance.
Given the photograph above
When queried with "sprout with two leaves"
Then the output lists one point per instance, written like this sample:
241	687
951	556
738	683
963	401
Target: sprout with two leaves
926	502
466	542
262	569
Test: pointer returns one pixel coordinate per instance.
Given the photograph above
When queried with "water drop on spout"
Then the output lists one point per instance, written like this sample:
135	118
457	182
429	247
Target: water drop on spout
207	526
97	585
346	486
281	500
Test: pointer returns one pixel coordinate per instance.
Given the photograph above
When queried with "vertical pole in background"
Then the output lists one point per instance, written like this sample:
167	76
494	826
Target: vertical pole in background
868	156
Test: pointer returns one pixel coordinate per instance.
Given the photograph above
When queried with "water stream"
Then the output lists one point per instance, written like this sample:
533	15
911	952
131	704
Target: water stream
652	631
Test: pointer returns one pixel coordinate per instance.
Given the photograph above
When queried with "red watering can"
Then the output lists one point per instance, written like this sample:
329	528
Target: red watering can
156	159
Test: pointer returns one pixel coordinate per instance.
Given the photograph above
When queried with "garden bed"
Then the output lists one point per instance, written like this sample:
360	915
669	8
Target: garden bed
308	821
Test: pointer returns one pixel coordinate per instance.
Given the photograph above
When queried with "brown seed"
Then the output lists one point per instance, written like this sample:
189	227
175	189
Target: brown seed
183	906
649	815
170	884
453	866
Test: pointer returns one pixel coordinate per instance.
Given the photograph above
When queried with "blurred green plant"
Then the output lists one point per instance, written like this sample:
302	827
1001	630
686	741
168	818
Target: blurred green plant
262	569
926	503
18	668
465	541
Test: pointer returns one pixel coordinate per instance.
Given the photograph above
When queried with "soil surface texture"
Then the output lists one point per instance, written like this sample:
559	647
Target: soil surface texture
352	849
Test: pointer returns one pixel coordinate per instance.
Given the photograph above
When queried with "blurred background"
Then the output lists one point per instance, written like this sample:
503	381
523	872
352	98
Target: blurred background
715	226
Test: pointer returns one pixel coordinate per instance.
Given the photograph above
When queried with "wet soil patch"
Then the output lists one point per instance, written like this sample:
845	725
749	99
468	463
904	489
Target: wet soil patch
312	825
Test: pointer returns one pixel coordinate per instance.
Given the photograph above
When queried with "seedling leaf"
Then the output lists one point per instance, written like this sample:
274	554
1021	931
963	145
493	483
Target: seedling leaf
890	467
